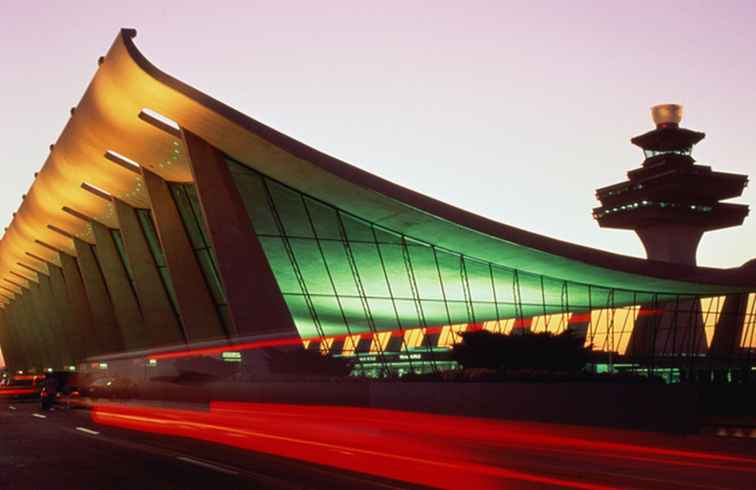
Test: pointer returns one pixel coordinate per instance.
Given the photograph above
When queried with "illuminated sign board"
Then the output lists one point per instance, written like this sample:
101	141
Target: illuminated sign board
231	356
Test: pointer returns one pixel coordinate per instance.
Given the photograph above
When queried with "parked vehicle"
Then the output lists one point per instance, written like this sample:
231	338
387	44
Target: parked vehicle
67	393
23	386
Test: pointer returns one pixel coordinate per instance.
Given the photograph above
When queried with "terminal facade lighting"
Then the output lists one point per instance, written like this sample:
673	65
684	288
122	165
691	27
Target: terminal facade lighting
189	229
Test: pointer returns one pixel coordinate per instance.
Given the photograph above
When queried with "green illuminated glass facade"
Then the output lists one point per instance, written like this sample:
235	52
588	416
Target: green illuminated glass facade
345	276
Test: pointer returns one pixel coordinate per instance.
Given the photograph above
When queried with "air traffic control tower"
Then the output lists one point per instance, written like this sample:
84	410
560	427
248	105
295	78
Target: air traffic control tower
670	202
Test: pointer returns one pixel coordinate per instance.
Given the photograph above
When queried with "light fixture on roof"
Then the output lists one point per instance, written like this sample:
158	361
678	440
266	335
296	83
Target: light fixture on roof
123	161
666	115
160	121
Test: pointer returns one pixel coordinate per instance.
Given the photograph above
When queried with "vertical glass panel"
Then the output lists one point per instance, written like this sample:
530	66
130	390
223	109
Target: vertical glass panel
383	314
436	313
329	315
311	264
357	317
370	268
187	203
153	242
424	268
408	313
479	280
253	194
339	266
711	309
356	229
283	269
554	298
324	219
302	316
503	280
396	270
451	277
530	294
118	240
291	210
748	340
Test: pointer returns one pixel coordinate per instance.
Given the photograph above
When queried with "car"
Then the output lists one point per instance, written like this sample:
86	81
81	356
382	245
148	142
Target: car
67	393
23	386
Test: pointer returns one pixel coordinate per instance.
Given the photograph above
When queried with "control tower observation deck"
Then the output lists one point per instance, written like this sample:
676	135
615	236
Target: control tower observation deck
670	201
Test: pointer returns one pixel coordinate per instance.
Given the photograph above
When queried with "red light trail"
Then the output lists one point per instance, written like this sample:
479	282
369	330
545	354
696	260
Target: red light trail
18	391
426	449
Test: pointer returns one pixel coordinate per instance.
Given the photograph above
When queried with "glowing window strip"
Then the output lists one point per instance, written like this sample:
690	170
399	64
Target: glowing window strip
749	323
711	310
325	345
413	338
379	342
611	328
500	326
350	345
554	323
450	335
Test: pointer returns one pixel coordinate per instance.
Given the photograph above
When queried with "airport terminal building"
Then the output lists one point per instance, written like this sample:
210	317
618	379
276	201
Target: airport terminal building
163	220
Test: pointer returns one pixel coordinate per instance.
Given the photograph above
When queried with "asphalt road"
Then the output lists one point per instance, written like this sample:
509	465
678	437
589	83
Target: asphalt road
129	446
66	450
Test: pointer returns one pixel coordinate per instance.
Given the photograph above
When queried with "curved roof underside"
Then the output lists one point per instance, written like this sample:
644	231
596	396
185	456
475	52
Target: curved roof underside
106	119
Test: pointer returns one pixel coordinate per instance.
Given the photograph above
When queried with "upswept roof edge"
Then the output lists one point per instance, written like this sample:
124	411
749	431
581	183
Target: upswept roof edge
106	119
740	276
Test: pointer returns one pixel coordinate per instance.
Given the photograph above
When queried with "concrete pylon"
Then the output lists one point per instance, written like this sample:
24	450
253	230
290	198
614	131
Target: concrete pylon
254	299
160	319
87	299
197	309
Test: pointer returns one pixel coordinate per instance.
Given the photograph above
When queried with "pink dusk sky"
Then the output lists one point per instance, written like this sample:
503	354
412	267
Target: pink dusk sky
517	111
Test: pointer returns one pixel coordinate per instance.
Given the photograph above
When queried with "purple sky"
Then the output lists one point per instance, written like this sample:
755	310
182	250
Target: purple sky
515	110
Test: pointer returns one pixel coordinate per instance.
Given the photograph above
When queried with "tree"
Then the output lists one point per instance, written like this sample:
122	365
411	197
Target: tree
539	351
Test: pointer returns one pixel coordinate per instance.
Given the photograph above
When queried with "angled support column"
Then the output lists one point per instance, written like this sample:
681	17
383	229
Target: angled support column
195	303
48	335
254	299
23	356
88	298
159	316
134	332
58	320
30	333
75	315
69	285
10	349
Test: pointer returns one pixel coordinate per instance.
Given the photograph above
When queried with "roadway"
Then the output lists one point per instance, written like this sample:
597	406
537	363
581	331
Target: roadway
63	450
237	445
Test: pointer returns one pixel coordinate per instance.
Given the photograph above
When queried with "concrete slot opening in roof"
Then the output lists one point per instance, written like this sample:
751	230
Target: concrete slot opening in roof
97	191
160	121
123	161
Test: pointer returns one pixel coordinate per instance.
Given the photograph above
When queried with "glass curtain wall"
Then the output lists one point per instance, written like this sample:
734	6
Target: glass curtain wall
187	203
354	287
118	240
153	242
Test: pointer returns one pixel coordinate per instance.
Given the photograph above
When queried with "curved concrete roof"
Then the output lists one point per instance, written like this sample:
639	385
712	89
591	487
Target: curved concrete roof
107	119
